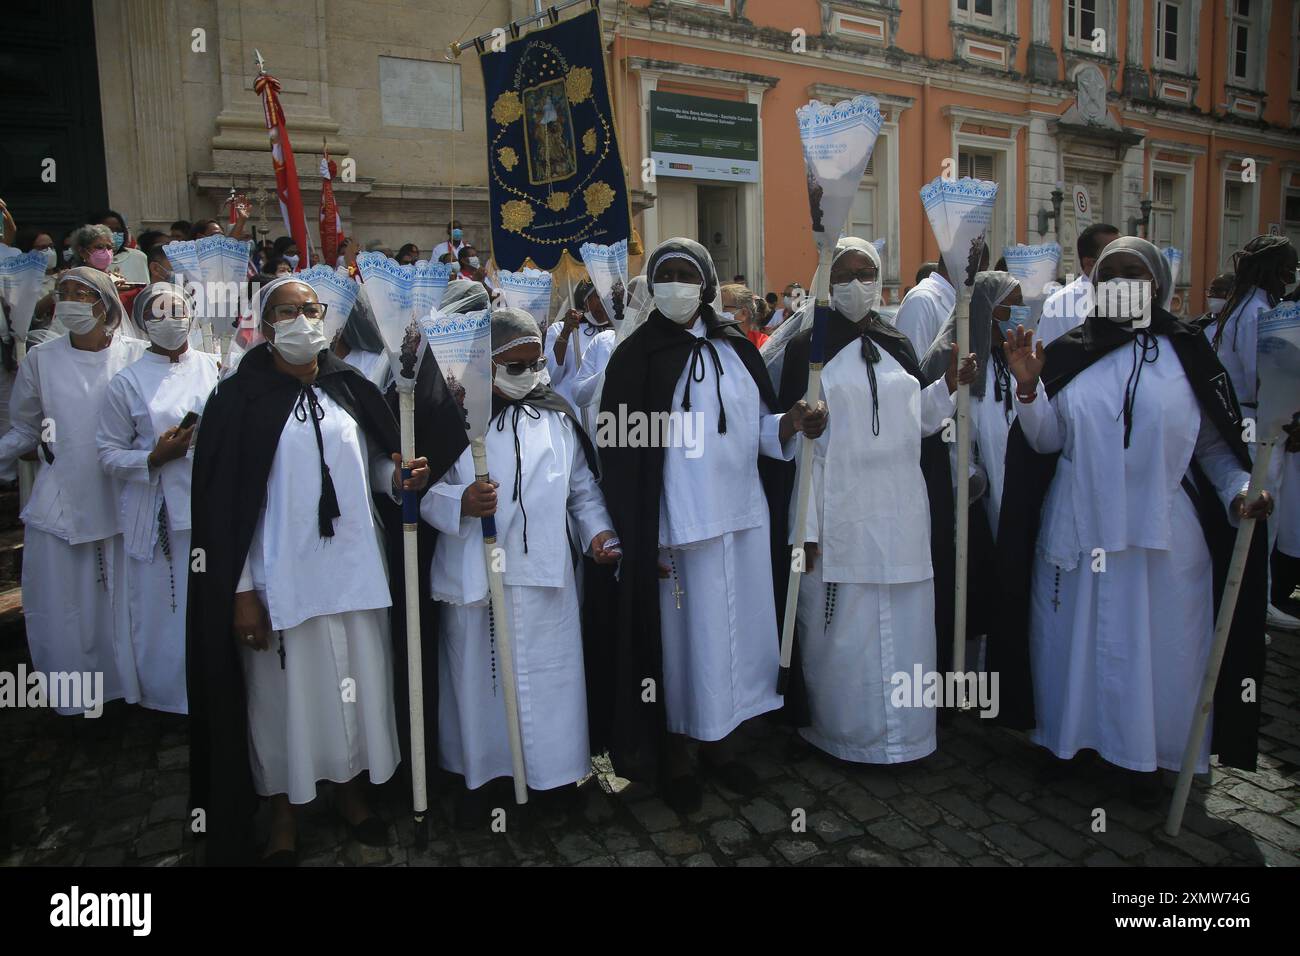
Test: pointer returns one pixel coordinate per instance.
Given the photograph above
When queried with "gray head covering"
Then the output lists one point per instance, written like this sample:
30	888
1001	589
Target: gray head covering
463	296
361	332
115	314
990	290
142	308
1149	254
511	327
689	249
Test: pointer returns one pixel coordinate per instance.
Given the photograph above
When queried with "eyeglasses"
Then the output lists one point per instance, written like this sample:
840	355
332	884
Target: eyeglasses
78	294
312	310
862	275
519	368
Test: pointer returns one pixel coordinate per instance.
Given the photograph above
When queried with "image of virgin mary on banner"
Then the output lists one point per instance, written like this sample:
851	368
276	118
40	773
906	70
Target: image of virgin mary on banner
555	174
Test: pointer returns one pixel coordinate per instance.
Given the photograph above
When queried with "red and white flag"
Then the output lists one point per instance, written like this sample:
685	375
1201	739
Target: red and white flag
331	223
286	171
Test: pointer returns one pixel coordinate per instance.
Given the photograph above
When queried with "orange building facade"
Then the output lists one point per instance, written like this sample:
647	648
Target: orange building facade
1180	119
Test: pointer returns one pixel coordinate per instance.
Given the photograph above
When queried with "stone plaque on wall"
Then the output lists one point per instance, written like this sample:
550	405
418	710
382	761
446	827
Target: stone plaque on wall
420	93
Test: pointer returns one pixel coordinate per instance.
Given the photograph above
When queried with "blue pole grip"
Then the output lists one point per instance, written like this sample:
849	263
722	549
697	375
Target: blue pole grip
410	502
817	349
489	526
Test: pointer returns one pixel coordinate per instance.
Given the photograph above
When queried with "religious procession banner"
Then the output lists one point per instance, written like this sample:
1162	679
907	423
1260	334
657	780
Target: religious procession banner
1035	269
337	290
555	173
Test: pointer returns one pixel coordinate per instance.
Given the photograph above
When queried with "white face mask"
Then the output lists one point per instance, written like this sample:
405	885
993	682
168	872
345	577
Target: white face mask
77	317
169	333
1215	305
1124	300
51	258
299	340
678	301
855	299
473	262
515	386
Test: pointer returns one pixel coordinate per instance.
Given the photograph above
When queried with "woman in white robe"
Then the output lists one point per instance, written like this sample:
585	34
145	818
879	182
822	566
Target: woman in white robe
533	449
142	446
71	564
866	601
1121	617
570	339
598	339
312	611
717	614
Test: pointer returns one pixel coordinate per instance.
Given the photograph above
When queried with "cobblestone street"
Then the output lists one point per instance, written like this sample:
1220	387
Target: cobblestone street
112	792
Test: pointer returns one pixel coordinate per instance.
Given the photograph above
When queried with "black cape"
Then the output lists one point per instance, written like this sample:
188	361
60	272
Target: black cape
641	376
439	437
841	333
1028	476
236	444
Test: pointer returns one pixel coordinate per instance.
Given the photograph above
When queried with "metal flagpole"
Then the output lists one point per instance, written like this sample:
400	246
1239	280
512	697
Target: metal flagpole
799	561
411	565
1227	607
962	501
501	631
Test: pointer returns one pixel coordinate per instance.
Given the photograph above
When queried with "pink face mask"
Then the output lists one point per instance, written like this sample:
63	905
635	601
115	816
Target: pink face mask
101	259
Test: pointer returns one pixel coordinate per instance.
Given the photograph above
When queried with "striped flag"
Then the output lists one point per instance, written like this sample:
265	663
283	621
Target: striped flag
286	171
331	223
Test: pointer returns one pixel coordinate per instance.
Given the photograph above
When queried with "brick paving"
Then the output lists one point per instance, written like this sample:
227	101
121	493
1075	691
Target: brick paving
112	792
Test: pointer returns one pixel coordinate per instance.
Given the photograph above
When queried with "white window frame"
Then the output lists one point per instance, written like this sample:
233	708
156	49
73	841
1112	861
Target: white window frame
723	7
1249	215
1101	18
1184	202
1182	41
1251	23
1005	173
839	18
995	20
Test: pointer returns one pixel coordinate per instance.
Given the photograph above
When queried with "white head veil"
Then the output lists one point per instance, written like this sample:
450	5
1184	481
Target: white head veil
773	350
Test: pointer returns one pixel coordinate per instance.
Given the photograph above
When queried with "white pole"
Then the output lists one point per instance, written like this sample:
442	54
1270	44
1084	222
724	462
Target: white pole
26	469
206	326
962	501
414	657
1227	607
799	560
504	639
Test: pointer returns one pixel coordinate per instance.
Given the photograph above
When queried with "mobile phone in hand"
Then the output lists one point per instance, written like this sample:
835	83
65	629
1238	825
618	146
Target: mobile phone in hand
189	419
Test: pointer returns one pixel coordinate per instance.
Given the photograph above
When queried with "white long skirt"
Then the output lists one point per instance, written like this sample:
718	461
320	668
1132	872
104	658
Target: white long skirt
472	739
151	652
875	632
329	714
721	649
68	608
1118	665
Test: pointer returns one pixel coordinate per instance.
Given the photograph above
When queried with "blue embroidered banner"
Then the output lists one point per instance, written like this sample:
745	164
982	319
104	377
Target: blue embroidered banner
555	173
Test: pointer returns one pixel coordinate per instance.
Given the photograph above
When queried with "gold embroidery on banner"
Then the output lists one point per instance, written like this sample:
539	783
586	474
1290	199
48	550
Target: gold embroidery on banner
598	197
557	201
516	216
507	108
589	141
577	84
507	157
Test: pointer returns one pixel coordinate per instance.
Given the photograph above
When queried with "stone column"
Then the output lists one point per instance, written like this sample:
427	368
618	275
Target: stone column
1137	81
1043	64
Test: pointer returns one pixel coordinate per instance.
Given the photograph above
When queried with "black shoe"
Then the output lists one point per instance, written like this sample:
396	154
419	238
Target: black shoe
281	858
684	794
1146	792
736	777
473	809
371	831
